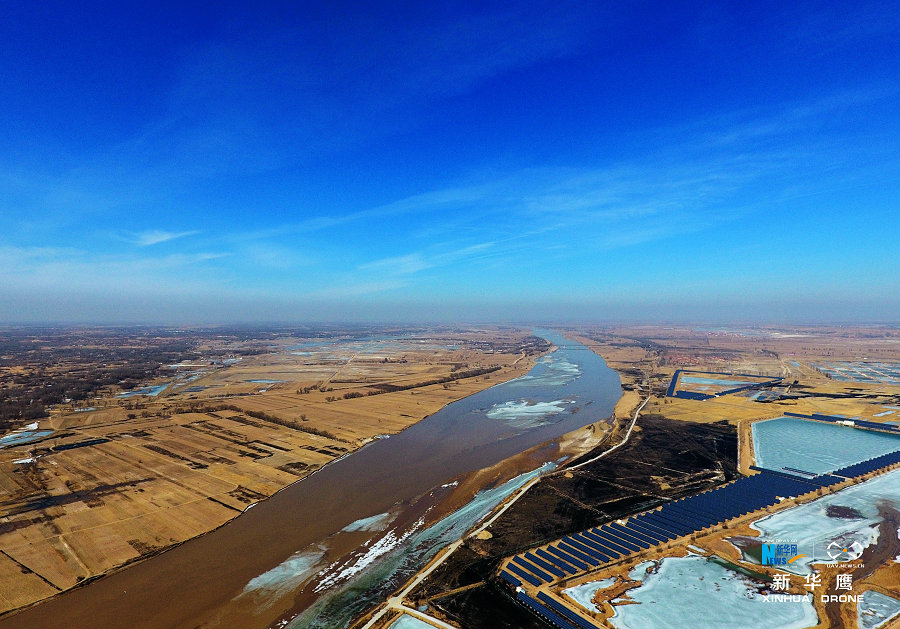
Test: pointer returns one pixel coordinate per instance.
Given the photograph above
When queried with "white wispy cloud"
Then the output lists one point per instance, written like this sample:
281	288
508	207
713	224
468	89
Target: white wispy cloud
156	236
398	265
69	269
354	289
412	263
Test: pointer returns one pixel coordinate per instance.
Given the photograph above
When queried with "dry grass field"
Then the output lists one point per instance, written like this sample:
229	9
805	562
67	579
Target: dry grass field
136	475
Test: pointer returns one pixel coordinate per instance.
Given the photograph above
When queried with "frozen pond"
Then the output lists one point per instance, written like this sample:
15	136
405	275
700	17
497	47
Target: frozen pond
21	437
716	381
694	592
151	391
583	594
848	516
409	622
816	447
876	609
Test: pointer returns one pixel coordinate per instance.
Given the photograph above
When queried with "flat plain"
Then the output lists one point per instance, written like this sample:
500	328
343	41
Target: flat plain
126	474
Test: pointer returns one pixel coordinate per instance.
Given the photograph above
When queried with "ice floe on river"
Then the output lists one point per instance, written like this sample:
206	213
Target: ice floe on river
525	413
373	523
286	576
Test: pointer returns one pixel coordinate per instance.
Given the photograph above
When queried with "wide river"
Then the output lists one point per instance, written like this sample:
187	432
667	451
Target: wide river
201	582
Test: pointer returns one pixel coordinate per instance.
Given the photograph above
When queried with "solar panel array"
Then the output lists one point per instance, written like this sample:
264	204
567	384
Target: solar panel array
858	469
598	545
696	395
888	373
856	422
548	614
578	552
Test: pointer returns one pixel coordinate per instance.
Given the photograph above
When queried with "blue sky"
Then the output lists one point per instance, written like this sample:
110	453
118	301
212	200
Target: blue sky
190	162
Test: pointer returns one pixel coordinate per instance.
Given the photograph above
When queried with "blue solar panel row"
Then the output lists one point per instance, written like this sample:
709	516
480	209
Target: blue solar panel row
870	465
799	471
601	547
649	520
642	526
679	527
565	546
565	611
510	579
583	547
533	569
567	557
650	534
614	531
785	474
823	480
642	540
556	561
603	538
671	391
605	544
525	575
692	395
658	521
691	513
858	422
545	611
546	565
709	514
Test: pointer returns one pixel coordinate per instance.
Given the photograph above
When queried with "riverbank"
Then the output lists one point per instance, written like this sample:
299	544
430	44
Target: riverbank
388	476
201	465
612	432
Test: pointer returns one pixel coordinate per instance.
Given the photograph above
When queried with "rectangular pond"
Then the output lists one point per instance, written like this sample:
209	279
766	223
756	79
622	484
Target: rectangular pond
817	447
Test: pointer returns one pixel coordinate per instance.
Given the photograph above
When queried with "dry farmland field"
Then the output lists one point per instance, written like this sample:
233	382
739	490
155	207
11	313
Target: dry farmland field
158	436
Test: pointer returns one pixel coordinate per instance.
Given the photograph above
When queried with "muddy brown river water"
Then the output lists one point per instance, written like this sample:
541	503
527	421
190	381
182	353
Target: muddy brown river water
200	582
